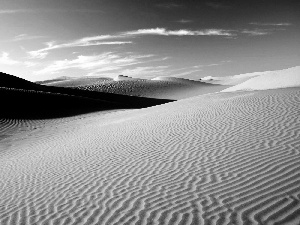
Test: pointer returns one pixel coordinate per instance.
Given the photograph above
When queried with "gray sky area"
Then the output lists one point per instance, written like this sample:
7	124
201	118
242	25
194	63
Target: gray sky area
45	39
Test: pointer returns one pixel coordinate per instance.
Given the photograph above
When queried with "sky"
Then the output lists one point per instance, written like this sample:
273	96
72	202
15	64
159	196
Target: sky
46	39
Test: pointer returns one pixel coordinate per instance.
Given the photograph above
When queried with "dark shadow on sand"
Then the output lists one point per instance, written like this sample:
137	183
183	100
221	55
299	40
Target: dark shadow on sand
27	100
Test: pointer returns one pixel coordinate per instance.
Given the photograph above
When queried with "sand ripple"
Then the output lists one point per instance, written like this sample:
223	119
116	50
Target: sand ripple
227	158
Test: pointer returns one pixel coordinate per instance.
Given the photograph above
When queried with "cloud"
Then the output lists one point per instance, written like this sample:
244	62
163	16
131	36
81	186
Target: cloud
184	21
168	5
83	42
256	32
182	32
84	11
22	37
29	64
13	11
4	59
265	28
271	24
186	73
103	39
95	63
144	71
217	5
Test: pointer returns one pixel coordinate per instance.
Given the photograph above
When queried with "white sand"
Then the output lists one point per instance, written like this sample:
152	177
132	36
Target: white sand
163	89
270	80
226	158
230	80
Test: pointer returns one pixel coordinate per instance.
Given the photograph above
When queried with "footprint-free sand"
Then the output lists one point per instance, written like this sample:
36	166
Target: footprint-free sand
221	158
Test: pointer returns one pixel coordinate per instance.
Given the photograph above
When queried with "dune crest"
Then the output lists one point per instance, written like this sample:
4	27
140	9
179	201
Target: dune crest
160	88
270	80
230	80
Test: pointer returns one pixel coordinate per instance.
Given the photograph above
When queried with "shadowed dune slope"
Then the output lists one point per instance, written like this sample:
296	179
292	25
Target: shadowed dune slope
223	158
160	88
24	99
10	81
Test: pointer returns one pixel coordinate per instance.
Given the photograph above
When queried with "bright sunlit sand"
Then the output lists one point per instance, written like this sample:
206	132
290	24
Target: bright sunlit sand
219	158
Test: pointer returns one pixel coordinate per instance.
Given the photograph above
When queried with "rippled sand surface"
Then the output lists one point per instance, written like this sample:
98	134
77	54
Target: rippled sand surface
223	158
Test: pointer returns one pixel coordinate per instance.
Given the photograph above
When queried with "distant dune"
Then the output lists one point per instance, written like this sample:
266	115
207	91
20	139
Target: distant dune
258	80
160	87
222	158
270	80
24	99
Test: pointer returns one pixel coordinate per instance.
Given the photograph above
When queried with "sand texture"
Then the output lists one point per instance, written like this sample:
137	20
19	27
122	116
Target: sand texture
160	87
223	158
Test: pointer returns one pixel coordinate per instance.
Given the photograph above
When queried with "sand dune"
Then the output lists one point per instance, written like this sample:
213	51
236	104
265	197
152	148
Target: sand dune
161	87
270	80
258	80
224	158
24	99
230	80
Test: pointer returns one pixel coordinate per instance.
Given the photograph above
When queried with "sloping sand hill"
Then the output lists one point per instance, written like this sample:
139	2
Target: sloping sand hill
258	80
24	99
160	87
224	158
270	80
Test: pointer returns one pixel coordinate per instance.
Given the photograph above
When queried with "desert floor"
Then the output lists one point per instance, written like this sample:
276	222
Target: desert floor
220	158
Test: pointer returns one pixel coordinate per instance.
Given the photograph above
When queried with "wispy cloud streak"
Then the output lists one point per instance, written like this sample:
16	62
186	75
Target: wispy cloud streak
182	32
95	63
83	42
183	21
13	11
23	37
256	32
271	24
217	5
103	39
169	5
